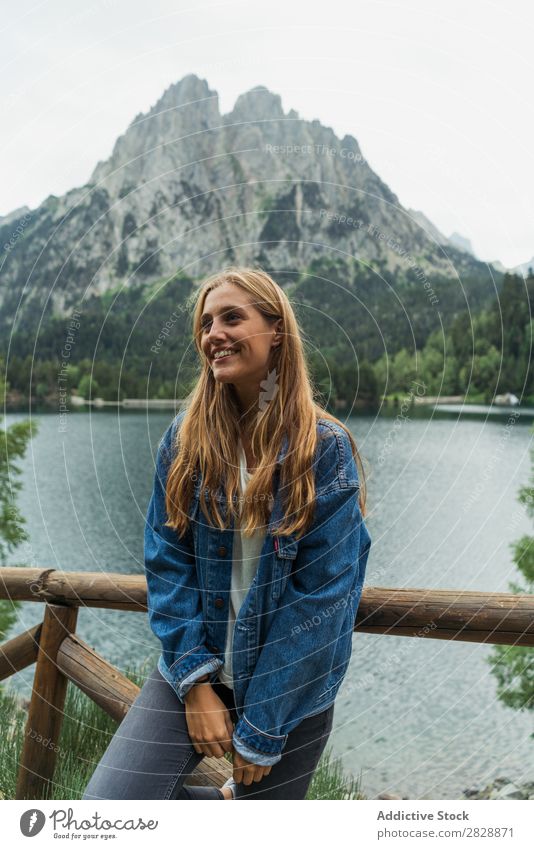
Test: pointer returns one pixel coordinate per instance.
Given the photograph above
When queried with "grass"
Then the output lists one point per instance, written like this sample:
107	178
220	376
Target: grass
85	734
86	731
330	782
12	721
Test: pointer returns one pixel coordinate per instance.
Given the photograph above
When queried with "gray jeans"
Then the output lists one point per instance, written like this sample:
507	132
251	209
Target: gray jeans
151	754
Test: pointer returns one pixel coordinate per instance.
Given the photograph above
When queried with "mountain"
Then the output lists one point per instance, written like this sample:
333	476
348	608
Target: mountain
455	240
16	215
524	268
430	228
461	242
189	190
497	264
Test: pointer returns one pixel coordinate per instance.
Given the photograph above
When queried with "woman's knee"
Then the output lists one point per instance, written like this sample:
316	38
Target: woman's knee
149	750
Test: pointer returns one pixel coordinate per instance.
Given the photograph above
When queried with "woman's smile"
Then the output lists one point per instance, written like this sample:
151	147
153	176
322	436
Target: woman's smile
224	356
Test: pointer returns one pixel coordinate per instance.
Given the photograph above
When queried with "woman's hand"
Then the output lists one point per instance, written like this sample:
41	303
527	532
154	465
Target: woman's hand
246	772
208	721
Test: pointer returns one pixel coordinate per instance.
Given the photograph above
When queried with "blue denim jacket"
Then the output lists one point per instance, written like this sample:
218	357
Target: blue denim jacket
293	634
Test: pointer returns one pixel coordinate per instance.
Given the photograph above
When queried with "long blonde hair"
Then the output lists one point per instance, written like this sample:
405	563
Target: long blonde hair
209	433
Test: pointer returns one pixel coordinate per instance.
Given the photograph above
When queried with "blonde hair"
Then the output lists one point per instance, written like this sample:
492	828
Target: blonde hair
209	433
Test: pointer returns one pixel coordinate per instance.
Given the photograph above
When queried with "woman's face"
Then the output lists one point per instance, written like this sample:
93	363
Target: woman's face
230	321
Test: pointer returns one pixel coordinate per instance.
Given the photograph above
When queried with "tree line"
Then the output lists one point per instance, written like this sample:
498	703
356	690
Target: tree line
363	339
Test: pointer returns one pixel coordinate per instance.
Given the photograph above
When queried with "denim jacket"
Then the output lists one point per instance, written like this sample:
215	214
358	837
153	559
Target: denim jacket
293	634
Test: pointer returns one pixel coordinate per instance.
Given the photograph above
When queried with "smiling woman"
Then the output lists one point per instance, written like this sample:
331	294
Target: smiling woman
237	338
254	529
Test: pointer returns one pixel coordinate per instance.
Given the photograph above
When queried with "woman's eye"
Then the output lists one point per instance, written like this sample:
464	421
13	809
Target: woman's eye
232	316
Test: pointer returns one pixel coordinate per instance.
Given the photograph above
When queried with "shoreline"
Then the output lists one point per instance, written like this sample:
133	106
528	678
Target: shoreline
441	403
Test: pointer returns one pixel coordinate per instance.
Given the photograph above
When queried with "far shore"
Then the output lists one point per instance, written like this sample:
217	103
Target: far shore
19	403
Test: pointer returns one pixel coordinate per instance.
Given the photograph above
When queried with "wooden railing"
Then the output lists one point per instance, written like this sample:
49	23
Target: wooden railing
61	656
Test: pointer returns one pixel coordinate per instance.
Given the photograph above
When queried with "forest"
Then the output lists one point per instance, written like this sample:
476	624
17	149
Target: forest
365	336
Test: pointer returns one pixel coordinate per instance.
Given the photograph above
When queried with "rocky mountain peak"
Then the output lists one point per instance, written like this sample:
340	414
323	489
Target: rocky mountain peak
186	108
257	104
187	92
187	188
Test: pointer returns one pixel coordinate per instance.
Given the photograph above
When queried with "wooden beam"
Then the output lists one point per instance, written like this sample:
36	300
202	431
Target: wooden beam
115	693
480	617
40	747
210	772
20	652
87	589
97	678
499	618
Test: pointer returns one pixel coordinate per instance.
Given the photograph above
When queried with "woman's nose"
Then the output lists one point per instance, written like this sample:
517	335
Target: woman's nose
215	336
216	331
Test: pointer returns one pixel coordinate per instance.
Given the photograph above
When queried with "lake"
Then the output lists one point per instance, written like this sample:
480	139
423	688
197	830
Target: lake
414	717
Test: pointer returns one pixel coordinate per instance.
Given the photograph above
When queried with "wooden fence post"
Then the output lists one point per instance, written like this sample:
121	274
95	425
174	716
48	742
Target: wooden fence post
38	759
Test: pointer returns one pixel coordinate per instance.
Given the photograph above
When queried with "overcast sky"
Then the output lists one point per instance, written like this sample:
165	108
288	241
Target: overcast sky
438	94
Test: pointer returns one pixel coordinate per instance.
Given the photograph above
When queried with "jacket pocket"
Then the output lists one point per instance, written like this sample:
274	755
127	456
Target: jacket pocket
285	549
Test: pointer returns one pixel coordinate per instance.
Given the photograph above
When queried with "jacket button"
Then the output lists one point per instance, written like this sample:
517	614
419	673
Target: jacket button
222	551
219	602
215	649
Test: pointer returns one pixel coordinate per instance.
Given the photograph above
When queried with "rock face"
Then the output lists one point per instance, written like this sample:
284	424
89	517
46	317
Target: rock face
187	188
461	242
435	234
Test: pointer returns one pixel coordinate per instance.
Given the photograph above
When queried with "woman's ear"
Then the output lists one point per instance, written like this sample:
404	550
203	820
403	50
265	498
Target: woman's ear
277	339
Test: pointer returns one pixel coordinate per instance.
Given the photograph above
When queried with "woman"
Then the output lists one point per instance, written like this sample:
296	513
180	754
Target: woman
255	558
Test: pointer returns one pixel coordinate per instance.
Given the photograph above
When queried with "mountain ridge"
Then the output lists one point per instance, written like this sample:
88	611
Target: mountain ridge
189	189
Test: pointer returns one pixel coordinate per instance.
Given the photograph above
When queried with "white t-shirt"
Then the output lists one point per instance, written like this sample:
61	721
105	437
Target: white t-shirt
245	556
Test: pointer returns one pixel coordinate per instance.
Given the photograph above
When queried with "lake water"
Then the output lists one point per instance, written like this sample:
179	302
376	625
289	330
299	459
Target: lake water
415	717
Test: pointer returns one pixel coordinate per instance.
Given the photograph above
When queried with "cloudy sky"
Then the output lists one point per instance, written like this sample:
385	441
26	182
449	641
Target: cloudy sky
439	95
